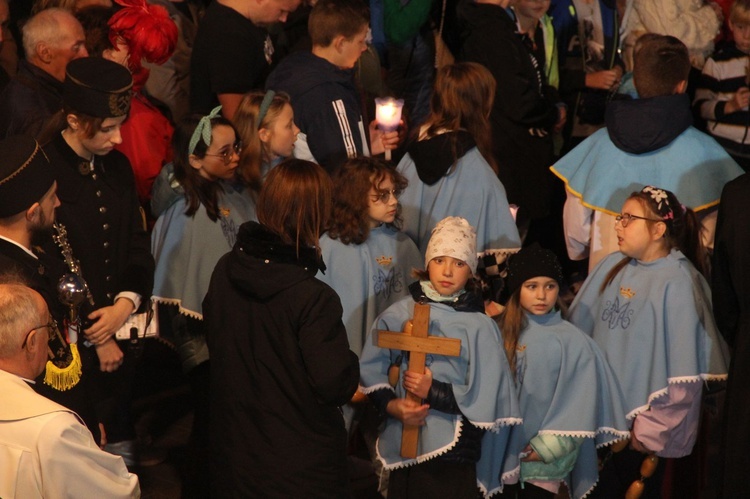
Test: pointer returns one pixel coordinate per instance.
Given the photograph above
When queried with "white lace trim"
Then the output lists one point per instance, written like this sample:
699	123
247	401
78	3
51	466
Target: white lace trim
178	303
424	457
380	386
673	381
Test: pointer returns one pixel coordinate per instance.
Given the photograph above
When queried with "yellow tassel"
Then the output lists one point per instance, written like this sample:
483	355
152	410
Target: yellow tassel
62	379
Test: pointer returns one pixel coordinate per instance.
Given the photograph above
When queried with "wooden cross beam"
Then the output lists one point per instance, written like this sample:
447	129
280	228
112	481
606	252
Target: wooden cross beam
415	339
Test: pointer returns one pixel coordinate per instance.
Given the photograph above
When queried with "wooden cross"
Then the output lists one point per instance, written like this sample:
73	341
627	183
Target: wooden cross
415	340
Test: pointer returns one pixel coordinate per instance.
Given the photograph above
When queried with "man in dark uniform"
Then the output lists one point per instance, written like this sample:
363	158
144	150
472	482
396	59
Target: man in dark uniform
100	210
28	201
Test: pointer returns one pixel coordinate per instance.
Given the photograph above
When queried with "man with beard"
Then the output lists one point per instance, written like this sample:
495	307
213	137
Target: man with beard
28	200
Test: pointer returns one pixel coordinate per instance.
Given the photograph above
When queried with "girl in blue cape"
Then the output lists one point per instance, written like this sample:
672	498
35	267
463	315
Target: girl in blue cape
649	309
450	167
187	241
368	261
570	401
201	225
469	400
265	124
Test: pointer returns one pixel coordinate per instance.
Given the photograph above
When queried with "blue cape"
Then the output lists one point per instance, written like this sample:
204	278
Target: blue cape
471	191
693	166
655	325
481	380
368	277
566	388
186	249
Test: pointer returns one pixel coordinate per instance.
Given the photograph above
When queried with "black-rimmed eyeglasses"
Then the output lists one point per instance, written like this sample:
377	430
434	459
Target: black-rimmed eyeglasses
625	218
229	153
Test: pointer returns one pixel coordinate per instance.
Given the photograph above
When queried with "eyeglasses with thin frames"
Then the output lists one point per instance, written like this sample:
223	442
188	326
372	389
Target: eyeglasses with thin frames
51	331
385	195
625	218
228	155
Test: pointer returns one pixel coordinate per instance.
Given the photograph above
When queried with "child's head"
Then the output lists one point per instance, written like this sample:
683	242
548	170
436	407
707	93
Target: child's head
531	9
205	147
739	23
462	95
295	202
340	26
462	98
365	195
534	279
265	124
660	66
451	256
649	223
652	223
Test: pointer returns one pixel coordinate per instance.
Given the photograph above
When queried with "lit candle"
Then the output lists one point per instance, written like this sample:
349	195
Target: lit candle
388	116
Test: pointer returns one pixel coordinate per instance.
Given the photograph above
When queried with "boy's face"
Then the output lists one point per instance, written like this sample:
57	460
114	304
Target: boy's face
741	33
351	48
534	9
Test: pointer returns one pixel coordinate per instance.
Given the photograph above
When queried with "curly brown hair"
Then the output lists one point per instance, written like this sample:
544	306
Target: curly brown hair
352	184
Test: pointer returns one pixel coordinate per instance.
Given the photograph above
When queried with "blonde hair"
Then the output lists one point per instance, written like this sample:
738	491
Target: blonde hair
254	151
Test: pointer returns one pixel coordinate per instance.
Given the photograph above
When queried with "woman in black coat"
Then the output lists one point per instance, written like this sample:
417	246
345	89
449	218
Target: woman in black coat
281	364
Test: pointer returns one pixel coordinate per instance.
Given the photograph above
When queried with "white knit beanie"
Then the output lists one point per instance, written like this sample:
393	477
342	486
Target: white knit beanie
454	237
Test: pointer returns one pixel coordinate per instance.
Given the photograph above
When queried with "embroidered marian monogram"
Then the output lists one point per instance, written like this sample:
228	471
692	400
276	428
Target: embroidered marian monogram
385	284
617	316
228	227
520	363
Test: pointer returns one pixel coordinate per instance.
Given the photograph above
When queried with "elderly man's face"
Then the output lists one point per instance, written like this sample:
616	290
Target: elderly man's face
4	20
69	46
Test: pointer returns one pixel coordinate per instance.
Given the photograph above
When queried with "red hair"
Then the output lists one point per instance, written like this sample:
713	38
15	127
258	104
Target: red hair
147	30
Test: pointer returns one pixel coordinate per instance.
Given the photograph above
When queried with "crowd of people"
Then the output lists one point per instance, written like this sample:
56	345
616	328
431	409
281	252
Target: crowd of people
531	288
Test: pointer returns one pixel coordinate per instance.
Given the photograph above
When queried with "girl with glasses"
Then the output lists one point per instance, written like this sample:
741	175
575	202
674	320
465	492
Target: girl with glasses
368	260
649	309
188	239
450	166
